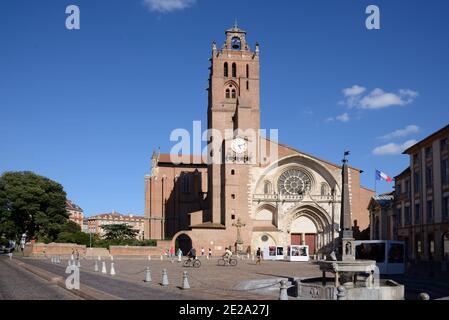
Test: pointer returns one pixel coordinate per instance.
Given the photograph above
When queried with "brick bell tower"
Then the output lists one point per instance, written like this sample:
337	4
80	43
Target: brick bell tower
234	104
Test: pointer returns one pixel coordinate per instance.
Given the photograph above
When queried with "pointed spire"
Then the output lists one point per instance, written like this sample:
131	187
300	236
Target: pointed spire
235	24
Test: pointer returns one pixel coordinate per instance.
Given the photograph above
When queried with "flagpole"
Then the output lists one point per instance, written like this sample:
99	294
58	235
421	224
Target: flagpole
375	182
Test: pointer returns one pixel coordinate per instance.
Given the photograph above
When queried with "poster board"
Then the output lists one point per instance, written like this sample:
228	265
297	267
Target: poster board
298	253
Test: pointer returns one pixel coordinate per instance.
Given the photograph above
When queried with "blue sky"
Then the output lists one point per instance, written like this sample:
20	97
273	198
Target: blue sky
86	107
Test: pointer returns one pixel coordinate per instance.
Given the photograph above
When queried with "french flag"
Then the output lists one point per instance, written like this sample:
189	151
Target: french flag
382	176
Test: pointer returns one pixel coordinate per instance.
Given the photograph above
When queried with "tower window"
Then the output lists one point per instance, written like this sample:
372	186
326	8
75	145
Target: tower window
232	172
247	85
228	94
233	196
225	71
234	70
247	70
233	94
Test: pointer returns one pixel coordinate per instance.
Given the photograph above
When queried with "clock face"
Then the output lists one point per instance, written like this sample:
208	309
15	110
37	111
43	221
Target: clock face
239	145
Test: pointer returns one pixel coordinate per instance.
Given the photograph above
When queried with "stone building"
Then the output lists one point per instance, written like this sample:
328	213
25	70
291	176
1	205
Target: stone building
96	223
383	222
422	199
76	214
259	193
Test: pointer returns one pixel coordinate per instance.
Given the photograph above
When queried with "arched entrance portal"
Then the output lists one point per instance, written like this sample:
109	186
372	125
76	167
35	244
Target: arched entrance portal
183	242
311	226
304	232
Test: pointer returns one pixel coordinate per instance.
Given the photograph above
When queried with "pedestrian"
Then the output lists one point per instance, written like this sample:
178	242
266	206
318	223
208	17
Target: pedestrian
179	252
210	253
172	252
202	251
259	256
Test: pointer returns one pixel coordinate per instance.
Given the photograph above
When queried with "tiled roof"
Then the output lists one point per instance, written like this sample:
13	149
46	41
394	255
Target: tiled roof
71	206
115	216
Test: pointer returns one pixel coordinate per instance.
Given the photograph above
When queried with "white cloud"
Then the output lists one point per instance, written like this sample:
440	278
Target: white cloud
343	117
355	90
168	5
400	133
393	148
376	99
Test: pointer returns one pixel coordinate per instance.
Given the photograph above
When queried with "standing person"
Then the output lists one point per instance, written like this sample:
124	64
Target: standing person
259	256
172	252
210	253
202	252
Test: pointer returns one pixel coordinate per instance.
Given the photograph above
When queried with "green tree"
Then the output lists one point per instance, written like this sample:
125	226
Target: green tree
119	232
33	204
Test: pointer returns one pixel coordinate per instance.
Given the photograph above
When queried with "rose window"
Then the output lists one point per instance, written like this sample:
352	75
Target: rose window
293	182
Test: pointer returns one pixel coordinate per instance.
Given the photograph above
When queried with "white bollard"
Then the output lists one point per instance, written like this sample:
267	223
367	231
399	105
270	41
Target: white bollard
179	258
103	268
112	258
164	278
207	257
99	258
59	259
283	291
162	257
185	281
112	269
10	256
96	266
247	256
148	275
149	257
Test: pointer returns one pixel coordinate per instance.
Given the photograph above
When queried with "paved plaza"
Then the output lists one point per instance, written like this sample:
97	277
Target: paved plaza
211	281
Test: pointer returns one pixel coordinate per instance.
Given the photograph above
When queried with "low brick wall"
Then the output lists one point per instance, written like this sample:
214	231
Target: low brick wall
60	249
134	251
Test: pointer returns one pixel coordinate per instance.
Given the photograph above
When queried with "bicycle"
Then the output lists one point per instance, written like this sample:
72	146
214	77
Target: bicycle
232	262
195	263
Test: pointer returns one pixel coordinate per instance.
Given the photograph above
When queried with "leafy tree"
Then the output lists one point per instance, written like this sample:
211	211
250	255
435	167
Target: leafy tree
71	227
33	204
119	232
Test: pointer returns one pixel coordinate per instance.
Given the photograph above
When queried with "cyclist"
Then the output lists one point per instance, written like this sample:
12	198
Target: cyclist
192	254
227	256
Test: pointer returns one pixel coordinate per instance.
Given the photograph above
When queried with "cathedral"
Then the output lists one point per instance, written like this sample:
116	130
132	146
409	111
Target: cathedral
251	191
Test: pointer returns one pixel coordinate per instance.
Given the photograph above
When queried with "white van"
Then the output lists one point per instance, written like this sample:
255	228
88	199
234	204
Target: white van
388	254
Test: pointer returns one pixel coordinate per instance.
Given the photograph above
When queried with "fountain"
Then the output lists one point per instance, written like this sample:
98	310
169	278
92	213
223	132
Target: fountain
353	279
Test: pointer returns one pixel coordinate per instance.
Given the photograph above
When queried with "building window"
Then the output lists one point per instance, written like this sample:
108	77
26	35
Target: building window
428	152
233	216
268	188
429	180
232	172
233	196
416	181
415	159
264	238
444	171
225	71
408	190
247	85
397	189
247	70
324	189
233	94
234	70
443	145
446	208
376	229
417	213
228	93
399	217
429	211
